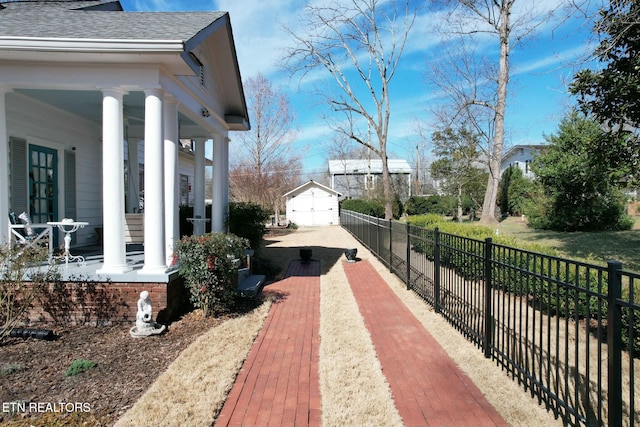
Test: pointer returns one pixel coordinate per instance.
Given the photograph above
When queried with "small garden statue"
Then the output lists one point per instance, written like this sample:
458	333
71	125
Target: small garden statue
145	326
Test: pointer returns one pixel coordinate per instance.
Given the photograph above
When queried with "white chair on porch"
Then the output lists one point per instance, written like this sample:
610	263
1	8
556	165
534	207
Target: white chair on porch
25	234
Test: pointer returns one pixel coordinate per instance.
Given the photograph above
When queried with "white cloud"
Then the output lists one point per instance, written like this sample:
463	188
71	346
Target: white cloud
258	33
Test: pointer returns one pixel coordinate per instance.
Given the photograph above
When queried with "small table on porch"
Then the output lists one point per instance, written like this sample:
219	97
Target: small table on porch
67	227
199	227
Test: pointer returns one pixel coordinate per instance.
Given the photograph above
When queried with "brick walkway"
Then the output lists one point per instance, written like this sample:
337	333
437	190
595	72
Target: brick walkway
427	386
278	384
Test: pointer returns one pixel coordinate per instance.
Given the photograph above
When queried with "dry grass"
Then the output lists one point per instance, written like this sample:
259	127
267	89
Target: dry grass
353	388
193	389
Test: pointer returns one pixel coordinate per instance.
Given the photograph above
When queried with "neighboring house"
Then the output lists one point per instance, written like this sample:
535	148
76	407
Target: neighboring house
521	156
80	80
362	178
312	204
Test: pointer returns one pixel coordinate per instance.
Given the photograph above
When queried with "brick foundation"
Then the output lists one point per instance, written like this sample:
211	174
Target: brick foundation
103	303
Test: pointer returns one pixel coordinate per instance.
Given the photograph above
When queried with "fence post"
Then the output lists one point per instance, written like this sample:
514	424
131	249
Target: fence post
614	344
408	258
436	273
390	247
488	322
378	237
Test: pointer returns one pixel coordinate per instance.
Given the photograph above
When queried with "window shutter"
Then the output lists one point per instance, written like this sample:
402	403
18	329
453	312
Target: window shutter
18	177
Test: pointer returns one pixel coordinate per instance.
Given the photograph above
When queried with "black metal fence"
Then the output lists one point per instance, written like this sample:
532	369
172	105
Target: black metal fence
567	331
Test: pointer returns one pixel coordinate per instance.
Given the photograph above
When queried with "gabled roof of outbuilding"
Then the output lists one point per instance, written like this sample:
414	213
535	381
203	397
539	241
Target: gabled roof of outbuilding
311	183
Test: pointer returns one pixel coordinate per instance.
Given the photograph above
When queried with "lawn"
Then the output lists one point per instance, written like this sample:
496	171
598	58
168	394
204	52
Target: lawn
596	247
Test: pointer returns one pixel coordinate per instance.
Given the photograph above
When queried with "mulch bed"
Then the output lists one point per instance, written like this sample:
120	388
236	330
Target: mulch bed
32	371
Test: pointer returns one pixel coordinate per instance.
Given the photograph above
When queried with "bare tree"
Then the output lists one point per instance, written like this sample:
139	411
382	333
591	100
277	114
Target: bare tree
266	166
476	84
359	43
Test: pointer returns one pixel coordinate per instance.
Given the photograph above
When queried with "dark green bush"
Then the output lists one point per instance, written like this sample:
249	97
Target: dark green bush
248	220
626	320
397	207
367	207
462	249
209	265
416	205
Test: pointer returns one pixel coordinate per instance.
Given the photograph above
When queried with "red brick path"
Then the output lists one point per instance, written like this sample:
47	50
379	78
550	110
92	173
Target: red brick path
427	386
278	384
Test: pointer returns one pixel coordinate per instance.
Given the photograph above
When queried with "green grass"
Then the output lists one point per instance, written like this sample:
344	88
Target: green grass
79	366
595	247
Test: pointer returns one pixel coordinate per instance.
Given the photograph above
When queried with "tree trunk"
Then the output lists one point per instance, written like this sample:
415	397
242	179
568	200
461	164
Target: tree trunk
495	160
386	186
459	203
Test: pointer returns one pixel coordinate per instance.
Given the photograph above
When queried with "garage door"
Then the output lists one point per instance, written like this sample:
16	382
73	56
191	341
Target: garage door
313	208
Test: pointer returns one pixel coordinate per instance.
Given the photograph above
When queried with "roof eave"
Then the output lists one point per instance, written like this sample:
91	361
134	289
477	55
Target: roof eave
90	45
239	120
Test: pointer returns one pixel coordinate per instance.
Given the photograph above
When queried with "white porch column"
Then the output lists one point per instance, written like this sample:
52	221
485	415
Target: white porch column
225	180
217	207
171	199
154	210
133	195
5	236
198	188
115	261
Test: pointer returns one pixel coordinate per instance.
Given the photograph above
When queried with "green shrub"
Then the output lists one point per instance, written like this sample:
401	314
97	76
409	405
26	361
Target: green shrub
519	268
397	207
367	207
209	265
626	319
248	220
79	366
416	205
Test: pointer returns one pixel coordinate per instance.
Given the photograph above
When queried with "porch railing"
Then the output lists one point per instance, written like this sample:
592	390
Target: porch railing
567	331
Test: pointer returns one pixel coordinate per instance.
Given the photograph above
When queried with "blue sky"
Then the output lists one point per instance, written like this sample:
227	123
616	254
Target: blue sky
541	68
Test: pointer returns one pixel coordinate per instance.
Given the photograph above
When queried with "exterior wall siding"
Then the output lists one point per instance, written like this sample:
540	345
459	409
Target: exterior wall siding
62	131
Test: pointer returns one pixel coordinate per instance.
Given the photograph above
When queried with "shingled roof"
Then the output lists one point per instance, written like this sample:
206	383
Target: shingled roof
73	19
364	166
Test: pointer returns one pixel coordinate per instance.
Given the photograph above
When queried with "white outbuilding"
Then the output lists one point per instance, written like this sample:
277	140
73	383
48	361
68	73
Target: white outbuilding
312	204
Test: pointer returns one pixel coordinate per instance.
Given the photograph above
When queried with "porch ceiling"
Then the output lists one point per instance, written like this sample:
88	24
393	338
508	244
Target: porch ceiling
88	105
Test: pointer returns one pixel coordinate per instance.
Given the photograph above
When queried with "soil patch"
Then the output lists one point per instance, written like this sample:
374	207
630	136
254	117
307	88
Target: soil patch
32	371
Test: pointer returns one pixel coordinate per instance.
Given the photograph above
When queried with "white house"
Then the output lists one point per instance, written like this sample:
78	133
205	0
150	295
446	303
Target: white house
80	81
360	178
521	156
312	204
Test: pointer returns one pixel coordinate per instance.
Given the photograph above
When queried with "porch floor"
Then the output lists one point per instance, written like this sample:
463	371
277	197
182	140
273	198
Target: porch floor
94	261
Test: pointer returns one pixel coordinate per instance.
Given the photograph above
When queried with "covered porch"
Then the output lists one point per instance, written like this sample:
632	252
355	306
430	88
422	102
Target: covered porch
91	126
